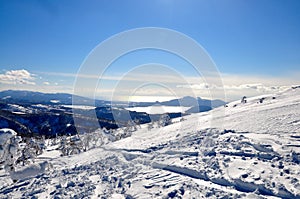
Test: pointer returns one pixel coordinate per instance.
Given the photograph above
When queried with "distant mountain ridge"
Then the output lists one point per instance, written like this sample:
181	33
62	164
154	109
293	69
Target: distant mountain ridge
197	104
20	96
35	113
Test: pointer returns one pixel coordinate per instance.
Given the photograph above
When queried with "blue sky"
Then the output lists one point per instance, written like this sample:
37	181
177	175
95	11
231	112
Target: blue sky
253	42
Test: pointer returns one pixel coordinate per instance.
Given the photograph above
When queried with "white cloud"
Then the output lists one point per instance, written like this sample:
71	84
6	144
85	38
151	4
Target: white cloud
130	77
201	86
236	86
17	77
132	83
46	83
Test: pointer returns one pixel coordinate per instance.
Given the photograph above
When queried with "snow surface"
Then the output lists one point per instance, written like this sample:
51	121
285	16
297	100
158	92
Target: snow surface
256	156
29	171
55	101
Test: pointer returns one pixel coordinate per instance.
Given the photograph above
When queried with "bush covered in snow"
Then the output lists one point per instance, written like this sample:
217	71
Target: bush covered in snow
69	145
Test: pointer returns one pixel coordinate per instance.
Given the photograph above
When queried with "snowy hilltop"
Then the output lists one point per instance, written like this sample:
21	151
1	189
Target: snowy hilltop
248	149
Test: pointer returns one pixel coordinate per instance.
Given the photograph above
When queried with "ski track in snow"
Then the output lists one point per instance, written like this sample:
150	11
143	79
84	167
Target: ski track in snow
258	156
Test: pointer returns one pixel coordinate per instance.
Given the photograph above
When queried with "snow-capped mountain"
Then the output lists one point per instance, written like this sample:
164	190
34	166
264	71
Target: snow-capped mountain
241	150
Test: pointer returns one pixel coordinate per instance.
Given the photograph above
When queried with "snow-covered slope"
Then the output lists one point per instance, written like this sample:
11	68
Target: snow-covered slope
242	150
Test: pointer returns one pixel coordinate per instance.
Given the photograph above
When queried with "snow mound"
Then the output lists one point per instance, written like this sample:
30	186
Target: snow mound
29	171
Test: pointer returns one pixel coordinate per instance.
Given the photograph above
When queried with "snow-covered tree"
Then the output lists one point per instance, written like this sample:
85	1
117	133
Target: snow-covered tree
109	135
9	148
137	122
150	125
164	120
30	148
27	154
85	140
70	145
130	127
